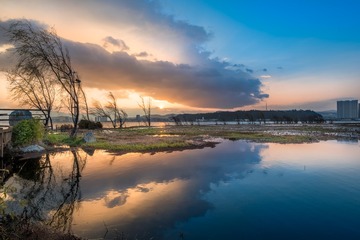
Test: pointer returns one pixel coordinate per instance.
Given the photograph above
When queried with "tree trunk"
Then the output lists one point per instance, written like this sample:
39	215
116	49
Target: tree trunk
75	120
51	123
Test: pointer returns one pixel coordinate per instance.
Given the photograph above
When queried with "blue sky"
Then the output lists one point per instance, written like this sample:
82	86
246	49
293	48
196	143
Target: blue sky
205	55
300	43
336	21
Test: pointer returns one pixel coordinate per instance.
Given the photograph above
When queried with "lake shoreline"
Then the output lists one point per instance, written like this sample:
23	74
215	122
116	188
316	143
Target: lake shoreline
178	138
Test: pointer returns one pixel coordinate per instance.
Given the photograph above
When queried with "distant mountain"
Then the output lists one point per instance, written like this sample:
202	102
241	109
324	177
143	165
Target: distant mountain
290	116
331	114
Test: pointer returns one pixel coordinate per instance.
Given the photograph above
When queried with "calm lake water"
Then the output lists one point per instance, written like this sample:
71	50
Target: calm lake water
237	190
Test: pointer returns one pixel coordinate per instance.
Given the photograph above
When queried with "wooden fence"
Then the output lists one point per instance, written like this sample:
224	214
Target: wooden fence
6	129
5	134
5	112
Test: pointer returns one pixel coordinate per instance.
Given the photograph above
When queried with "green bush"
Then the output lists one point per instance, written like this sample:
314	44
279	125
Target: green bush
27	132
99	125
65	127
86	124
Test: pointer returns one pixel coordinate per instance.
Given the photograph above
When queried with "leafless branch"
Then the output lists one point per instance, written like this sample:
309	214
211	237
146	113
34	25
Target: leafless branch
40	52
146	108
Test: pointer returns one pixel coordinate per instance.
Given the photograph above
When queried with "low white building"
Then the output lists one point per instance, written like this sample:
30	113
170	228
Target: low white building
101	119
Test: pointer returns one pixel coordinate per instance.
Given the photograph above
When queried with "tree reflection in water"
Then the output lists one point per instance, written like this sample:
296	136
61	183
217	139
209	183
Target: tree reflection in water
42	195
141	195
71	194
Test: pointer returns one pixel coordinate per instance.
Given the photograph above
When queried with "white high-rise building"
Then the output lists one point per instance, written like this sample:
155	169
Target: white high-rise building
348	109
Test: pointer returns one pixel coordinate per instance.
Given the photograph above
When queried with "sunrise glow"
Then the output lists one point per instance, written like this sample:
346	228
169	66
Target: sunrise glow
208	57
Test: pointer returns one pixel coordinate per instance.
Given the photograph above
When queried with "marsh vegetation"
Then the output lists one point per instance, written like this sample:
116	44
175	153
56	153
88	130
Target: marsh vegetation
144	139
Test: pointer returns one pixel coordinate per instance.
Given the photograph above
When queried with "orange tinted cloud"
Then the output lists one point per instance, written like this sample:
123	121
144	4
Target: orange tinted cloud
209	84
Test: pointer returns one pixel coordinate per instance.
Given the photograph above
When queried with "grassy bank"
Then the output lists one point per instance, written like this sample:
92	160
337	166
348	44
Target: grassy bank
143	139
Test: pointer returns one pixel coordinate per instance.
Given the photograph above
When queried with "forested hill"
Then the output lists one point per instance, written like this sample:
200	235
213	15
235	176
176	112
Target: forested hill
290	116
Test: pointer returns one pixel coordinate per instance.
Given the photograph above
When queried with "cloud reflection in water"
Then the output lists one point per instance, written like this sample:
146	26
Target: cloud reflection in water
144	194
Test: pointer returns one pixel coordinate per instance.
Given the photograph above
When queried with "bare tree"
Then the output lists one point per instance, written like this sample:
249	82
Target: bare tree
100	111
43	49
111	111
177	120
146	108
62	217
111	107
122	117
34	89
86	106
51	198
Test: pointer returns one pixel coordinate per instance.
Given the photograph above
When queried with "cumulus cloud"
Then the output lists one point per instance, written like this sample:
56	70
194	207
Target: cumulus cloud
151	13
266	76
115	44
239	65
185	179
141	54
208	85
159	32
249	70
205	82
3	38
7	58
116	201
